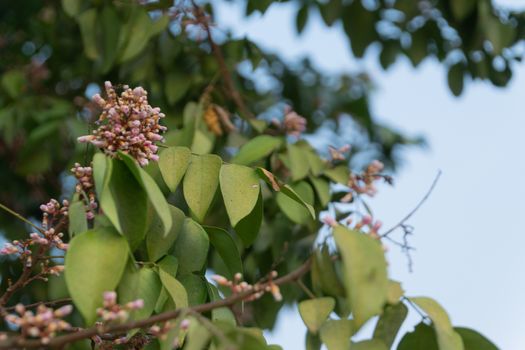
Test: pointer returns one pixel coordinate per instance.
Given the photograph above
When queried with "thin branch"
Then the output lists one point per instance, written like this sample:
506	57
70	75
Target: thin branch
203	19
409	215
51	303
20	217
305	289
58	342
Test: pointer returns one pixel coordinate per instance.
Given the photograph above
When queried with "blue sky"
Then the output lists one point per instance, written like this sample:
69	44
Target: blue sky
470	235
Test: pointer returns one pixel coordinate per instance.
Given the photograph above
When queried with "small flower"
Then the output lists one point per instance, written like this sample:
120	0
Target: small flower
294	124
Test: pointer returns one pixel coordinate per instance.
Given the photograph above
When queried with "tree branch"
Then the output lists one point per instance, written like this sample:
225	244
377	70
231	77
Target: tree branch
59	342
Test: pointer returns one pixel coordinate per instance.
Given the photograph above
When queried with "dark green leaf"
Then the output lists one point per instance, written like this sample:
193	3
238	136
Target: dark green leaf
191	248
248	228
473	340
301	18
422	338
390	322
455	78
143	283
226	248
157	243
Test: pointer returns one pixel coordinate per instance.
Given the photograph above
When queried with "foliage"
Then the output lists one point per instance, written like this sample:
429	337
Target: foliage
237	189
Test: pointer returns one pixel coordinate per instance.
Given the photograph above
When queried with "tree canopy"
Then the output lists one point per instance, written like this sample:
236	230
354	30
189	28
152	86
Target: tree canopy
218	176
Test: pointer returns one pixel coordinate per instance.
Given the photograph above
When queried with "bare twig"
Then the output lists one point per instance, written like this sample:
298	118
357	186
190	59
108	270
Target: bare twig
20	217
409	215
51	303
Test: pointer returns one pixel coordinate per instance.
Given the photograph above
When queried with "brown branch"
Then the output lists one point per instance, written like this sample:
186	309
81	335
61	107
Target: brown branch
234	94
59	342
51	303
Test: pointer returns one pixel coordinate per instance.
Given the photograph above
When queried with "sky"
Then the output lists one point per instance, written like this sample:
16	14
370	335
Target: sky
470	234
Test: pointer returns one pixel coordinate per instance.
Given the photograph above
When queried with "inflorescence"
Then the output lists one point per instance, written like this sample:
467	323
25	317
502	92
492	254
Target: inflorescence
127	124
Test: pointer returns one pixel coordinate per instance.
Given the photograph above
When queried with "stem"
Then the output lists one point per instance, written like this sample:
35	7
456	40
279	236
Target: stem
20	217
21	343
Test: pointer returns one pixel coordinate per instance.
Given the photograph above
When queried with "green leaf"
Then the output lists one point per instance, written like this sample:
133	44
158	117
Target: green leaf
200	183
135	35
422	338
13	82
87	21
322	189
174	288
176	84
157	244
301	18
170	264
312	342
198	336
173	163
223	242
223	314
336	334
248	228
94	264
240	190
143	283
365	273
195	287
77	218
101	170
461	9
72	7
447	338
472	340
372	344
125	203
153	191
390	322
257	149
339	174
191	248
299	165
325	275
290	207
455	78
314	312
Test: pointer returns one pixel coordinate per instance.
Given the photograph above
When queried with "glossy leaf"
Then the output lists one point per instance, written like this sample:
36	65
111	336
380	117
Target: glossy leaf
240	190
336	334
94	264
191	248
365	273
223	242
314	312
256	149
447	338
200	183
158	244
173	163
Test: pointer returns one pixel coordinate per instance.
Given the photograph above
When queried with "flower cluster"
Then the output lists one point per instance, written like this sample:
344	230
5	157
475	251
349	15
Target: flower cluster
238	286
86	187
364	183
113	312
45	324
293	123
48	236
127	124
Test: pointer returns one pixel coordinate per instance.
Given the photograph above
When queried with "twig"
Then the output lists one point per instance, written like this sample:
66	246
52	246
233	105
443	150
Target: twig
51	303
58	342
20	217
202	18
409	215
305	289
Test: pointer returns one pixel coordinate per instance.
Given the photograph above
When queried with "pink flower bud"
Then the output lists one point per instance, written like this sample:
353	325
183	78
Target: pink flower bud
184	324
